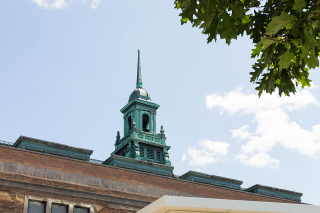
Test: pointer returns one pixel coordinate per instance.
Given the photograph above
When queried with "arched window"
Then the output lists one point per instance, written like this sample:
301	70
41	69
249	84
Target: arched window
129	123
145	122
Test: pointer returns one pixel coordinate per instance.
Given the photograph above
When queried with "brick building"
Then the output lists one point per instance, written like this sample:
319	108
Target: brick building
38	176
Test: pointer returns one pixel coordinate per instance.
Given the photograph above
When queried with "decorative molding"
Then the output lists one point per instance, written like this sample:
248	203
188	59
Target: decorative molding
86	180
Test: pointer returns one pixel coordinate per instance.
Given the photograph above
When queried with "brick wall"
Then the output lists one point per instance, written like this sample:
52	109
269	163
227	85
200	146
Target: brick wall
11	201
112	173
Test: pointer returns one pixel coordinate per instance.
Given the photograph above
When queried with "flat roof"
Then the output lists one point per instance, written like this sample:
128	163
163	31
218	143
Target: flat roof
52	144
213	177
177	204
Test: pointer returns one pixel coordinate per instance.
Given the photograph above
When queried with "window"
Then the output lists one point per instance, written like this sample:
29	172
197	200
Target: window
37	204
145	122
36	207
129	123
80	210
58	208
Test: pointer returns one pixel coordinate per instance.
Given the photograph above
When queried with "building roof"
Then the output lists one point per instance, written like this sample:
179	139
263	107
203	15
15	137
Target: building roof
18	161
141	94
176	204
52	144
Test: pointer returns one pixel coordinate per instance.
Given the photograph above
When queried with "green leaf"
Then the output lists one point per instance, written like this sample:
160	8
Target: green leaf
238	9
312	61
265	42
197	22
277	28
295	31
279	22
184	20
313	14
303	82
185	3
255	51
285	60
258	69
310	40
177	5
246	20
315	24
296	43
304	50
299	5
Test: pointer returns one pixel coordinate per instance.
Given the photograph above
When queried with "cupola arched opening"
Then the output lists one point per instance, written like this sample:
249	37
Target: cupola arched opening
145	122
129	123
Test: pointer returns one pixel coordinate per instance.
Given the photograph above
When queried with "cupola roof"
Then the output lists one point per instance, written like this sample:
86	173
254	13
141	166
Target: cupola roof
140	93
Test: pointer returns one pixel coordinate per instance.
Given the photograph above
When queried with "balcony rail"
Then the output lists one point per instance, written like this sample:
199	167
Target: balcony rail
6	143
95	161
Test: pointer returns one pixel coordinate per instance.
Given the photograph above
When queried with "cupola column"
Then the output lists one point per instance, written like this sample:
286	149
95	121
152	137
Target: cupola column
151	122
136	117
140	119
155	122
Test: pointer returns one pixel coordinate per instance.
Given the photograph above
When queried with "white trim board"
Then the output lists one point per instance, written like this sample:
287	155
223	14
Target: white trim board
176	204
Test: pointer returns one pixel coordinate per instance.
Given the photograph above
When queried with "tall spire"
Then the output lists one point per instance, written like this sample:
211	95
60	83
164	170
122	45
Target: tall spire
139	76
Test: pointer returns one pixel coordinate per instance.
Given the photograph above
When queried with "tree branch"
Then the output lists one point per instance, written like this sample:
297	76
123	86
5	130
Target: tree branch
305	19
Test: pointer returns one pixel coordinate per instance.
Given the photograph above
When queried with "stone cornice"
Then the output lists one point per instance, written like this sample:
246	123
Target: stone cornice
142	103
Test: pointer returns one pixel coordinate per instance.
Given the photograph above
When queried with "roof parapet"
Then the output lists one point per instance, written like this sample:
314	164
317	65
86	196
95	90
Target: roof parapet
275	192
212	179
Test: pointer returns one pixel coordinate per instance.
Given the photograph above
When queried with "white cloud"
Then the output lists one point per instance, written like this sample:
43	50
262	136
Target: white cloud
273	124
258	160
58	4
212	152
241	133
184	157
95	4
53	4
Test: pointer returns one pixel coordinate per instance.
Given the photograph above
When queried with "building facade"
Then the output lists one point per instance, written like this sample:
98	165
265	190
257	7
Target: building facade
38	176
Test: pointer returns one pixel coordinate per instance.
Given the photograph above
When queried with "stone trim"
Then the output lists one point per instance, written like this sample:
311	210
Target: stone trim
88	180
123	203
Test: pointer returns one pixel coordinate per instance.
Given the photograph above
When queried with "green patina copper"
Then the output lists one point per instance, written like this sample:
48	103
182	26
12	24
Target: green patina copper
139	76
212	180
140	141
275	192
38	145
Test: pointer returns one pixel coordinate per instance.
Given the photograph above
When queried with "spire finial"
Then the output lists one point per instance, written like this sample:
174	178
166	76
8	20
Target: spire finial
162	130
139	76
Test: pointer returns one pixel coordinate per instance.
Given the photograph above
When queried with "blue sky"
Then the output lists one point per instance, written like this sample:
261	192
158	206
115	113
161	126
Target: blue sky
68	67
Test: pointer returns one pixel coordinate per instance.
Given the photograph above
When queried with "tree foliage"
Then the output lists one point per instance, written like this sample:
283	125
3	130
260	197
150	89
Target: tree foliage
285	33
